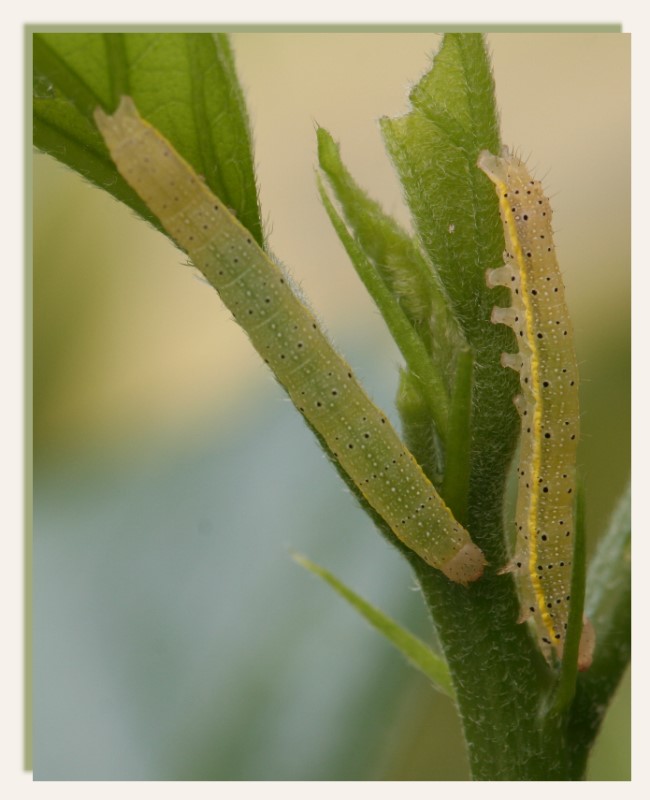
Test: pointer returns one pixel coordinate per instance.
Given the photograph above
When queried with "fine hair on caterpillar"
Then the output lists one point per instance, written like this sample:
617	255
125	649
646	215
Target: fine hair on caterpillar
548	404
284	331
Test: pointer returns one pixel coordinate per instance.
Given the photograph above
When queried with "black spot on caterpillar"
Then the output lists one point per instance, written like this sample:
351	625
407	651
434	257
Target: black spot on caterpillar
548	404
285	333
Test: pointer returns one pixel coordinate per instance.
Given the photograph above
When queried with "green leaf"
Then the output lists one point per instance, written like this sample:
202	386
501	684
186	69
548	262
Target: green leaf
183	83
608	605
416	652
435	148
397	259
406	338
447	469
418	430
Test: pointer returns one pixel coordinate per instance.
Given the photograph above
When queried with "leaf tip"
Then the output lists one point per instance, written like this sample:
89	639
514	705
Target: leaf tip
303	561
328	149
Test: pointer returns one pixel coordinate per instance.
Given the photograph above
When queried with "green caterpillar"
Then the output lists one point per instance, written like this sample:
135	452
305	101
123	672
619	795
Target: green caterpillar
548	404
286	334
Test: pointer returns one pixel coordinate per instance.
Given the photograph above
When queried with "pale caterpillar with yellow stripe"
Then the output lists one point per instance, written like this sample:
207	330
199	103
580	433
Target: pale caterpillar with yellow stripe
286	334
548	404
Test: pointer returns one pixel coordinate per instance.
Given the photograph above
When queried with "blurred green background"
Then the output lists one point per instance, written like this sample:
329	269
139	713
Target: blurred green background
174	638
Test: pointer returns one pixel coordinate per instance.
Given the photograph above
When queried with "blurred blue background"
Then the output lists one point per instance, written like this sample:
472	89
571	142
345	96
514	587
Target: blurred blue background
174	637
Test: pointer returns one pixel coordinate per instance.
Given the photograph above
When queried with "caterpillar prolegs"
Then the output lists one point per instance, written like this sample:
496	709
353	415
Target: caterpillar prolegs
548	403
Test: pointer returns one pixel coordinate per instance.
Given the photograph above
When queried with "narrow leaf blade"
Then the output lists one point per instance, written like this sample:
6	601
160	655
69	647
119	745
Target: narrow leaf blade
396	257
608	602
409	343
416	652
608	606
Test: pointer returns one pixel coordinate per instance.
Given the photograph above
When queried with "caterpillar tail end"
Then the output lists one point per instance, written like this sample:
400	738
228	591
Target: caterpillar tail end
587	645
466	566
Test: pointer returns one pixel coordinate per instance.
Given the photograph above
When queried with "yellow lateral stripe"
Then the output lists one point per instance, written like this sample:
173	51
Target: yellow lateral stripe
537	416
